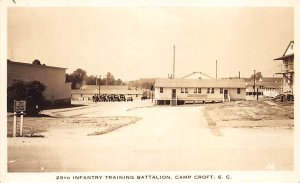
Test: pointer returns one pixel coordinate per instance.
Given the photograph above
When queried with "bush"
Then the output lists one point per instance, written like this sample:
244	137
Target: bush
31	91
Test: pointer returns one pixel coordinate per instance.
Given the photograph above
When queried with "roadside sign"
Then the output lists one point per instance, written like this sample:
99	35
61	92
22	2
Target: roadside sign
20	106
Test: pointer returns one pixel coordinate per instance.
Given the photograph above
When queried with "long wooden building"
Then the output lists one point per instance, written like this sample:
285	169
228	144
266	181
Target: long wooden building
183	91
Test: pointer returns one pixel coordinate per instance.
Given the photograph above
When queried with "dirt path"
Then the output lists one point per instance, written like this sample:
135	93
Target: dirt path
167	138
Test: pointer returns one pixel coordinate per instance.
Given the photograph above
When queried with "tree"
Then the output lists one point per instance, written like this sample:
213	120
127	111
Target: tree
146	83
110	79
36	62
31	91
258	76
76	78
118	82
80	77
91	80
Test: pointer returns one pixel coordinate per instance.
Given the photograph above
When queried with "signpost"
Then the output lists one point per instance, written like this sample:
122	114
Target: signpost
19	108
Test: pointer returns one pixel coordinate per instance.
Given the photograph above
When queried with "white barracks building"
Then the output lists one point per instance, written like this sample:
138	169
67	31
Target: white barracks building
183	91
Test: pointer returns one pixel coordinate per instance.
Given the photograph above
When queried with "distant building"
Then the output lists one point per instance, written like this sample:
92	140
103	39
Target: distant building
269	87
86	92
57	91
182	91
288	69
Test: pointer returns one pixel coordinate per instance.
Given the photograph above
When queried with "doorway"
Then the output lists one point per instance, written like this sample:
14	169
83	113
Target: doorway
173	93
225	94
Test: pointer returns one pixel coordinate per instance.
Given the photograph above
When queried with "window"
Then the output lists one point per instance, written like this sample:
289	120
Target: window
195	90
161	90
212	90
261	87
186	90
253	87
238	91
182	90
208	90
221	90
199	90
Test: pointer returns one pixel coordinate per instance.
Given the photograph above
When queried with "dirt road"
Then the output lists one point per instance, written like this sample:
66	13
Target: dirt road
166	138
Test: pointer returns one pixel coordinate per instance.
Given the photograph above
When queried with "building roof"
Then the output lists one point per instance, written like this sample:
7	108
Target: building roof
91	92
289	52
287	48
211	83
266	82
285	56
197	75
266	79
286	71
104	87
34	65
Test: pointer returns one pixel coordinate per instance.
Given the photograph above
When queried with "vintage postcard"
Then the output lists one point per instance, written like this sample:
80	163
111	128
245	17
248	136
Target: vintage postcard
137	92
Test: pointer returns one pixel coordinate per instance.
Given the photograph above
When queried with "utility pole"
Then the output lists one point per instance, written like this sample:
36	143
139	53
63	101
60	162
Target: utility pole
216	69
174	61
96	79
254	84
99	84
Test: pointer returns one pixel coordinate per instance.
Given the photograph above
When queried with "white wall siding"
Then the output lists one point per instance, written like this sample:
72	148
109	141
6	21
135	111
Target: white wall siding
167	94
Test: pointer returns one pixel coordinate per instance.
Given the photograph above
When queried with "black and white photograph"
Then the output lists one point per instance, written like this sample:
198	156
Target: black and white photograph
149	89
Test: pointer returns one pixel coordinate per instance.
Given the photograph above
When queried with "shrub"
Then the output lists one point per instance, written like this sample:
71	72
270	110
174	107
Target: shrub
31	91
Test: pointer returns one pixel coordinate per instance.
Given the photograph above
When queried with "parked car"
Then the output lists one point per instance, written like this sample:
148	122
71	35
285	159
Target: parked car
122	97
129	99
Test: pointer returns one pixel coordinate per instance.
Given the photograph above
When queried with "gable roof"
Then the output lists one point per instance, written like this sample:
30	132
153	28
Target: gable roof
284	57
289	46
289	52
211	83
33	65
197	75
103	87
266	82
266	79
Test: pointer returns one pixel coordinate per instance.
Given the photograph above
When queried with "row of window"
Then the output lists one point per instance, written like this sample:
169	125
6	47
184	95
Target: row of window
260	87
270	89
199	90
254	93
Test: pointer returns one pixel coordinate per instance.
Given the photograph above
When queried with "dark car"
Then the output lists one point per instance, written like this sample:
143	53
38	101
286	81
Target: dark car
129	99
122	97
143	97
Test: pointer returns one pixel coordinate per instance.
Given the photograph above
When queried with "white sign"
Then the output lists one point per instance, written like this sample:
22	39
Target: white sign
20	106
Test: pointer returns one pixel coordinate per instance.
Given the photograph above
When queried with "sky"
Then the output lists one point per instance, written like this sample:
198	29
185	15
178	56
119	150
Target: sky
134	43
